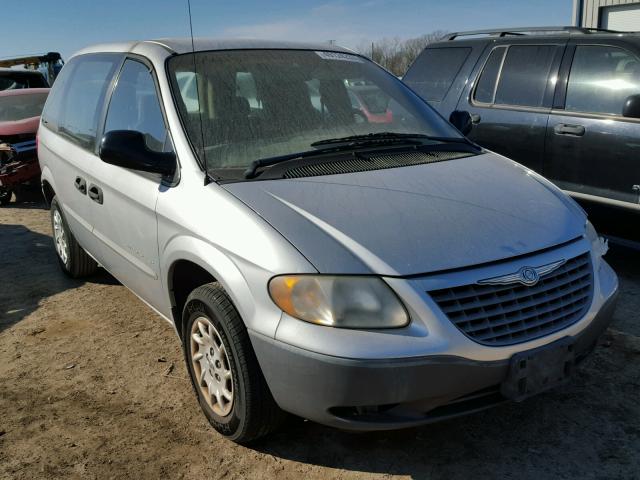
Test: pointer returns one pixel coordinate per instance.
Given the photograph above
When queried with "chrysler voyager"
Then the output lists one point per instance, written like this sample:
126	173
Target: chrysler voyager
364	275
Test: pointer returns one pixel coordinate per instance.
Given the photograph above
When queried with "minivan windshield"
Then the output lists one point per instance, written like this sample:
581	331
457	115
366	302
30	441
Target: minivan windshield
239	106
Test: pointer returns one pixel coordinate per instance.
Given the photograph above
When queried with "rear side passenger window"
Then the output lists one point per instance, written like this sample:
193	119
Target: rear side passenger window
77	99
135	106
486	88
601	79
522	76
435	71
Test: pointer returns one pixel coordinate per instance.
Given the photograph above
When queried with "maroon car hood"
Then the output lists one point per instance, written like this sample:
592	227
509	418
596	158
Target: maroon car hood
19	127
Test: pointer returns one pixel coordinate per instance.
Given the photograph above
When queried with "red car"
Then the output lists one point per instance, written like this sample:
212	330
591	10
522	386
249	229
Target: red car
19	119
371	102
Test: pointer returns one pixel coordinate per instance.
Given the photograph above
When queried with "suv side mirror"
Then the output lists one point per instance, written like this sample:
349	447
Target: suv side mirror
462	121
128	149
631	107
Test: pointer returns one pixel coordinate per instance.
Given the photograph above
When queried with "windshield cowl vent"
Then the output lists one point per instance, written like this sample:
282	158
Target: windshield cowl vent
373	162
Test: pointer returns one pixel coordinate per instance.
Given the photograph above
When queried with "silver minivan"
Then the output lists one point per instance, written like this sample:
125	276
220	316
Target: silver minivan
360	264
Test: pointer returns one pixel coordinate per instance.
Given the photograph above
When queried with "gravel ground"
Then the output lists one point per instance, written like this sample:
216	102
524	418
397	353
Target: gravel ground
92	385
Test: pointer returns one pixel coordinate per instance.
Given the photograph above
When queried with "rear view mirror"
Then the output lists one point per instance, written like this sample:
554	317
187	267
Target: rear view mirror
462	121
128	149
631	107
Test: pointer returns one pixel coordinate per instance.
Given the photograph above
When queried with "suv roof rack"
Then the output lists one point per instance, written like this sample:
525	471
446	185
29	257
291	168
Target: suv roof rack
525	30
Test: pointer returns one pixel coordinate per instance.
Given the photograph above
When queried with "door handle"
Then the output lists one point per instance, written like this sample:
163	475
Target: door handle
81	185
566	129
95	194
475	118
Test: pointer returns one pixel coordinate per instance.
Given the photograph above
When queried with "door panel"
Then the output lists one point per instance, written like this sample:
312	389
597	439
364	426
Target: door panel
126	228
604	161
592	149
69	163
514	134
124	201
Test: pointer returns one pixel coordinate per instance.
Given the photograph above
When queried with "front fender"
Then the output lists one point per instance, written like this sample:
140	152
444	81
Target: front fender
244	282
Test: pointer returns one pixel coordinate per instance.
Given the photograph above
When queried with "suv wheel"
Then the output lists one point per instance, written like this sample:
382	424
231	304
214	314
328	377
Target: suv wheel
74	261
224	371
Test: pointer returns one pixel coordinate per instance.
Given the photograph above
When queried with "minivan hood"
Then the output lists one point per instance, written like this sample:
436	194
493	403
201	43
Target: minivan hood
417	219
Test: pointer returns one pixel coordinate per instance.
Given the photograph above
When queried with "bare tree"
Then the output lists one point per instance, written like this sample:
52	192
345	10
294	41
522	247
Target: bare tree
395	54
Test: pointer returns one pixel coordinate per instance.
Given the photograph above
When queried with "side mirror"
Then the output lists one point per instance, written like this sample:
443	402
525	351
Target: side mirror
631	107
128	149
462	121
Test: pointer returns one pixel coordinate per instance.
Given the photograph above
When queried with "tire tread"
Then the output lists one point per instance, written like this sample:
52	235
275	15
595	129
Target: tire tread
263	414
80	263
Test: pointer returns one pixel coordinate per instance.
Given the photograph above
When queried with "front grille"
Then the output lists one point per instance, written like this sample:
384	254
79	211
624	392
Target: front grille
374	162
507	314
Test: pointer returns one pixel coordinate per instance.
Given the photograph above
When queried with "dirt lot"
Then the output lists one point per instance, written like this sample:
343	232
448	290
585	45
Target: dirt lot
92	385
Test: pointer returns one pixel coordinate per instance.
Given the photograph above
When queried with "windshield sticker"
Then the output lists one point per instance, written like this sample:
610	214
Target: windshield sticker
345	57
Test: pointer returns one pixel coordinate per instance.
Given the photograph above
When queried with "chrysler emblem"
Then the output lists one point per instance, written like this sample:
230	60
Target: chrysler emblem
528	276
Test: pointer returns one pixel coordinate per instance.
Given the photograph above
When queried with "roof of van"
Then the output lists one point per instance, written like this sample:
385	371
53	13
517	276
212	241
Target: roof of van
183	45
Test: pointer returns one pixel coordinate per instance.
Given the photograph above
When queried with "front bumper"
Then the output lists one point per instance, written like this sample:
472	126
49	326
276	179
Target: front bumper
380	394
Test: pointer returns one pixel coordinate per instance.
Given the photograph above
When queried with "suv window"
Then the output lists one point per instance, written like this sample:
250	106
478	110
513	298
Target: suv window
76	99
521	80
486	89
135	106
435	70
601	79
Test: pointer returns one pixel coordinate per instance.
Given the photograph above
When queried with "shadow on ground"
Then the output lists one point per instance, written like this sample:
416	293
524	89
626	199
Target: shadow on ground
30	271
27	198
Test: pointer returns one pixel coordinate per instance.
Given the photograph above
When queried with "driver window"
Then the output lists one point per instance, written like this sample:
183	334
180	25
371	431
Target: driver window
135	106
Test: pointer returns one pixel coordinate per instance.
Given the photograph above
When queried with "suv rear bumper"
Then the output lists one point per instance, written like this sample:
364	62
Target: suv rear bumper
388	394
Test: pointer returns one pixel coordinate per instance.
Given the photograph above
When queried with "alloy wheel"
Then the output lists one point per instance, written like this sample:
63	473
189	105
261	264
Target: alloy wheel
60	237
211	366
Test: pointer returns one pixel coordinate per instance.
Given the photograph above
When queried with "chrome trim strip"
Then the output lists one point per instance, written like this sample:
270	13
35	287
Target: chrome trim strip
607	201
521	275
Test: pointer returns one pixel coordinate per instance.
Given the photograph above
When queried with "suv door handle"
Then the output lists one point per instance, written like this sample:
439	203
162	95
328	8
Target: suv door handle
95	194
81	185
566	129
475	118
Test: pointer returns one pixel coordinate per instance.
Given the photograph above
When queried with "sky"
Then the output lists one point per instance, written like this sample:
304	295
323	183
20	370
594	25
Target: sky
35	26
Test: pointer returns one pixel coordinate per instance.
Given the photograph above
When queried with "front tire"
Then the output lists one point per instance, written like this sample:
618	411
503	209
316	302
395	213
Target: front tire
73	260
224	371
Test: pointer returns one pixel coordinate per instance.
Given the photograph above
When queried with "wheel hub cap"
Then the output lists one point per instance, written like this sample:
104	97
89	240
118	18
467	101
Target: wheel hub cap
211	366
60	238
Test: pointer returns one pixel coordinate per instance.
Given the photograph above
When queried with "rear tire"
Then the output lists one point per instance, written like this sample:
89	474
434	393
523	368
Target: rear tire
73	260
217	347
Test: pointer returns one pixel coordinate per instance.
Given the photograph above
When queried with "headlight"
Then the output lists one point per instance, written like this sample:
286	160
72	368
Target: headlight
599	245
341	301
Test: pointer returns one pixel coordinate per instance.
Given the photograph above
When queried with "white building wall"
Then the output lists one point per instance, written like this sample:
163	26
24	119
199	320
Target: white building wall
586	13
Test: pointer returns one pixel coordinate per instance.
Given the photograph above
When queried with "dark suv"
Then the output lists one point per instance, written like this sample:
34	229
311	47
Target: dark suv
563	101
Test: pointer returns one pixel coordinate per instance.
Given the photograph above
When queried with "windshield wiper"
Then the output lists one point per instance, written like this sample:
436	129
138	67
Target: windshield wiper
384	137
251	171
349	143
